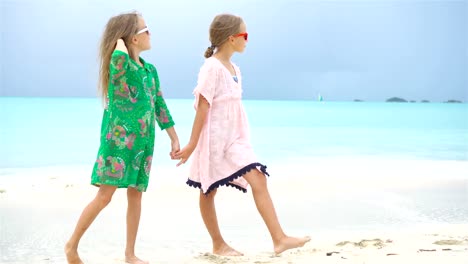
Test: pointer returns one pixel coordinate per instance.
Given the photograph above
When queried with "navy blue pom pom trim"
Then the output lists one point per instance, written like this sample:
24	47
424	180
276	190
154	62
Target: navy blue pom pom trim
227	181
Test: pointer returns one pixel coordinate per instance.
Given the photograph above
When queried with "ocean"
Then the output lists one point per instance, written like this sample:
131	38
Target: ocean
338	170
39	132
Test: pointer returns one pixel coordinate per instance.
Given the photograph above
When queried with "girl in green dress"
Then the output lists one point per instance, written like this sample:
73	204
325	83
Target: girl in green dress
134	103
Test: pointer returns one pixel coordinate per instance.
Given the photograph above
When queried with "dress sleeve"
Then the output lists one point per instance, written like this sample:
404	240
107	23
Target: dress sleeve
206	83
120	98
163	115
118	89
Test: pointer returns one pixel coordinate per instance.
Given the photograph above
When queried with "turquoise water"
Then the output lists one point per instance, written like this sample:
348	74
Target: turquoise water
65	131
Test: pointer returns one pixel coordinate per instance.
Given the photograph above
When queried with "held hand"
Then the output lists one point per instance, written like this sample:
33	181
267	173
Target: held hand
175	148
184	154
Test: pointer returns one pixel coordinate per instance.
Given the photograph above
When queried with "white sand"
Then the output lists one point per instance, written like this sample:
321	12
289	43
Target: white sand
332	200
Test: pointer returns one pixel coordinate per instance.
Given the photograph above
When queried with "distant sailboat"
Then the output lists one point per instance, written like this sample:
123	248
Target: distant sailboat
320	98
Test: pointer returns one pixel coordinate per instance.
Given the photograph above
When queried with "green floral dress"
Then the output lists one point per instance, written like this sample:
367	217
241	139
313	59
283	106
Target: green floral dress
135	103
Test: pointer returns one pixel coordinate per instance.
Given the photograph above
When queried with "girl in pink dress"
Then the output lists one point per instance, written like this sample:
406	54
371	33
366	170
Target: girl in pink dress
222	153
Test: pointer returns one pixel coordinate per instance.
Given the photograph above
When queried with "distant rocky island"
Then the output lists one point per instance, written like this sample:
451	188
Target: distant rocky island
401	100
396	100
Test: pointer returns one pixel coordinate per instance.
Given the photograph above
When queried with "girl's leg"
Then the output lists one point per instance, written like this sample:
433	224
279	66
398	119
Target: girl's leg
133	221
102	199
208	212
265	207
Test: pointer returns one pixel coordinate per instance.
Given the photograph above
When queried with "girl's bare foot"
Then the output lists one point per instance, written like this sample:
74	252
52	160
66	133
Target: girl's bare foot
72	255
134	260
290	243
226	250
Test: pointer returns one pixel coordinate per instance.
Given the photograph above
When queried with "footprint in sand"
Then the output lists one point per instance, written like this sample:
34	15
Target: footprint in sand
379	243
213	258
451	242
258	259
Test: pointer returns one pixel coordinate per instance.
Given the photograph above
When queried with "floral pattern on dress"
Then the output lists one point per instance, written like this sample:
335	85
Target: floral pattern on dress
148	162
133	107
110	166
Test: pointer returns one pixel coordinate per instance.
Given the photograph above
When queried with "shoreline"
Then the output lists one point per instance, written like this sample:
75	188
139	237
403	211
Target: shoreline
411	203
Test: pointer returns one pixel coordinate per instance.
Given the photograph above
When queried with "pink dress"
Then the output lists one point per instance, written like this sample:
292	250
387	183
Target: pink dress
224	153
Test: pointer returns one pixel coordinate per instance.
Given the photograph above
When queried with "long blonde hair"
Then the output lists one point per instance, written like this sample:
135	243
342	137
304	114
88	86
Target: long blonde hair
123	26
222	27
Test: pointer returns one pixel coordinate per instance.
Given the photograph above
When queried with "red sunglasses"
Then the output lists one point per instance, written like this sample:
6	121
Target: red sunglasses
245	35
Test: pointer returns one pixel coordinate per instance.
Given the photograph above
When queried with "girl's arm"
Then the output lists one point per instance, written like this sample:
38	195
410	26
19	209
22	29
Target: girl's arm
172	134
121	46
200	117
164	117
175	146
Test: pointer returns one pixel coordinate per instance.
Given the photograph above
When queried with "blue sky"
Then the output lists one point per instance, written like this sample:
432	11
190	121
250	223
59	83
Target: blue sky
344	50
